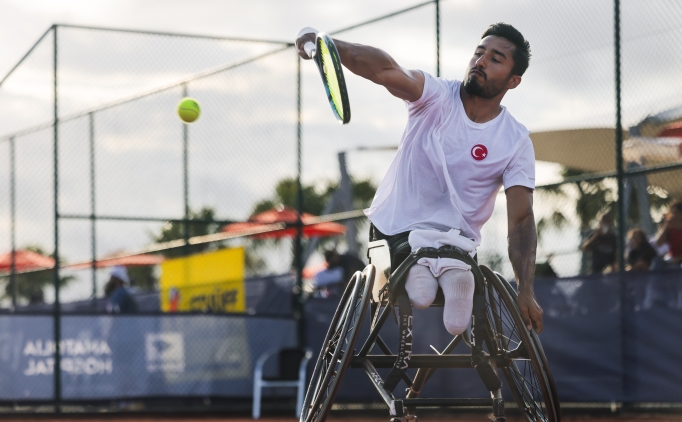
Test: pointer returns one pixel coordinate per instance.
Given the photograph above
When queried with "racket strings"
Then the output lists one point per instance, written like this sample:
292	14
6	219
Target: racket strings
331	80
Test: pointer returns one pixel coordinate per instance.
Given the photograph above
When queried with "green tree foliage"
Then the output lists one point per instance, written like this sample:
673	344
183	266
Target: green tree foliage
174	230
31	286
142	277
595	197
314	199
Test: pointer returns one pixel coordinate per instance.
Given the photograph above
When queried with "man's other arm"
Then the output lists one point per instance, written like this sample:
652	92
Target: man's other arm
522	238
375	65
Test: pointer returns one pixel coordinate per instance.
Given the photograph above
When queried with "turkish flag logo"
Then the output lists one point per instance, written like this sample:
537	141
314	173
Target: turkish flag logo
479	152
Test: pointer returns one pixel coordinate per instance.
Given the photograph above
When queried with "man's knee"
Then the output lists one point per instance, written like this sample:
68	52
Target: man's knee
421	286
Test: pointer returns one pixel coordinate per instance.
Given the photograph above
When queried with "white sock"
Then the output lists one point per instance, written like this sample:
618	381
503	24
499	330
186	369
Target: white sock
458	290
421	286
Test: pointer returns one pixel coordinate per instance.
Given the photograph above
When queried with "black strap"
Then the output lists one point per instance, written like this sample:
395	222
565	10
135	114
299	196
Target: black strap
404	344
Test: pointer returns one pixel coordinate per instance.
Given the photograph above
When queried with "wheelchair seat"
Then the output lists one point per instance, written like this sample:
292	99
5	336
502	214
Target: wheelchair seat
379	254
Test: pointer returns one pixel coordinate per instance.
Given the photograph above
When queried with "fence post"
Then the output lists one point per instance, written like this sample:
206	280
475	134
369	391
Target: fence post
13	221
57	307
437	38
93	237
185	176
622	206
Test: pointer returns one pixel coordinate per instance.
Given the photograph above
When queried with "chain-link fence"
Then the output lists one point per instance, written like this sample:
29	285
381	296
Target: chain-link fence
97	164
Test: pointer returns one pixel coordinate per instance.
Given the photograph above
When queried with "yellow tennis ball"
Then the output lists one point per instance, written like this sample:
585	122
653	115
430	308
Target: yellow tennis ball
188	110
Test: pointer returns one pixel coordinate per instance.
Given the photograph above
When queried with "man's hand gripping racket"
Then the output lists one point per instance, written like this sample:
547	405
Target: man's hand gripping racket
319	46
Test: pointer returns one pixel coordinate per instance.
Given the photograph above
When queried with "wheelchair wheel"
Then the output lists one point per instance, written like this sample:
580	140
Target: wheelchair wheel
337	349
526	370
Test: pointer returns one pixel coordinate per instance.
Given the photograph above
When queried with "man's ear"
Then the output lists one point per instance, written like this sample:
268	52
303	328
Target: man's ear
513	82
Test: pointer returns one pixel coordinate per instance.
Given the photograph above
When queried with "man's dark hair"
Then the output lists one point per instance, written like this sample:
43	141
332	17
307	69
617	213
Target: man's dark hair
521	52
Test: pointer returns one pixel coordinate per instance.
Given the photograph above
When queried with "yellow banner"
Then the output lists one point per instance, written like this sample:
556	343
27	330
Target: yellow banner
210	282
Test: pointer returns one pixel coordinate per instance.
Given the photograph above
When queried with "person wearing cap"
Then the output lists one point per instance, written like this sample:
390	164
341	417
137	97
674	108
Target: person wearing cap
121	301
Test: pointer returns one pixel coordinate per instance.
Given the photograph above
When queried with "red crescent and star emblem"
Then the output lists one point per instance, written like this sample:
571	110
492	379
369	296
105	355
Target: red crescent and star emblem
479	152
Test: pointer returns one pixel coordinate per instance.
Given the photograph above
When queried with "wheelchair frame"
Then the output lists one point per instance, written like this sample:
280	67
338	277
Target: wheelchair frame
495	345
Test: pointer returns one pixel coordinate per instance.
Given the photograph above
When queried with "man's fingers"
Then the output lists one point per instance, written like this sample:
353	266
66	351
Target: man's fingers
302	39
526	318
531	312
536	317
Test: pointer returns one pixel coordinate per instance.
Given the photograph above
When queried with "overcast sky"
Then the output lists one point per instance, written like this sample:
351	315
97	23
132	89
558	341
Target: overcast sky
23	21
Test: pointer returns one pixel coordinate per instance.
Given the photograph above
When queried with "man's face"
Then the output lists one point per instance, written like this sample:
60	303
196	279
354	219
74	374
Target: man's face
489	71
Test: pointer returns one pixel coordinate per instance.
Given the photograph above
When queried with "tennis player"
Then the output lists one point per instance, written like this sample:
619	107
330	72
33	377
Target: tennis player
459	147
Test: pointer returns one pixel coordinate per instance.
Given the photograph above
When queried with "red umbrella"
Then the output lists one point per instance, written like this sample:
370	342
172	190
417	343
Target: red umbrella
25	260
674	130
288	216
126	261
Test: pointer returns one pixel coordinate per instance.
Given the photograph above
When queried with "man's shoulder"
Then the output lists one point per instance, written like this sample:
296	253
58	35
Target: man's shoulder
439	82
514	127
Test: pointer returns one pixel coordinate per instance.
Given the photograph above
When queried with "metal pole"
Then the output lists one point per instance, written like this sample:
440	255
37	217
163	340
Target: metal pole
57	307
622	217
437	38
622	206
298	311
13	222
93	223
185	176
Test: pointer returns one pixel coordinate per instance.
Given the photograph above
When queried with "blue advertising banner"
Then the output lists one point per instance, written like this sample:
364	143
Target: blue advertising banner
607	338
136	356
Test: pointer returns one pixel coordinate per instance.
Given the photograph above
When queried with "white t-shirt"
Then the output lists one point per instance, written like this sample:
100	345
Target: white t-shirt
448	169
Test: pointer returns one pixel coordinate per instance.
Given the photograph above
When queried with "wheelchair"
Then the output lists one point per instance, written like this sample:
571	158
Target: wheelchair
499	342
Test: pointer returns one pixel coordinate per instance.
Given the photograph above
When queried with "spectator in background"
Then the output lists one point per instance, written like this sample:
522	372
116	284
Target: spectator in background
603	245
348	262
121	301
671	233
340	269
640	252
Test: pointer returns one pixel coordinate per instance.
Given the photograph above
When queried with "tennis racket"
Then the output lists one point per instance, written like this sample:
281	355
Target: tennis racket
326	56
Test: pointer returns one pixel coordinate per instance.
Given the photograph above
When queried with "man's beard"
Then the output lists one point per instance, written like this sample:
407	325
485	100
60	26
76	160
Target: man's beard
490	90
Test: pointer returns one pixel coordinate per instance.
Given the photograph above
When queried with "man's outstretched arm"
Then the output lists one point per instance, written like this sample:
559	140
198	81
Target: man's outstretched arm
376	65
523	241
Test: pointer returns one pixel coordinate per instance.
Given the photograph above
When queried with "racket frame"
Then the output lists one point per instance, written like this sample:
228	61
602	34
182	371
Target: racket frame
322	37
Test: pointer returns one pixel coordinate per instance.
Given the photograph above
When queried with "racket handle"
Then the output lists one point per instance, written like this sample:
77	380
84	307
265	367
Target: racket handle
310	49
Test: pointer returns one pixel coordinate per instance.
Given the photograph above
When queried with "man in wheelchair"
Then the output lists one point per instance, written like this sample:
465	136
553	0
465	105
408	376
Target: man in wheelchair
460	146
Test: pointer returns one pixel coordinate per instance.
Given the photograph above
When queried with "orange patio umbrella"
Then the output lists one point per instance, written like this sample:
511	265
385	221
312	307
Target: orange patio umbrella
25	260
288	216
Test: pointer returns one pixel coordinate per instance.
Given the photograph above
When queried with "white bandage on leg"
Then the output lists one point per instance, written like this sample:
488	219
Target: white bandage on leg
458	290
421	286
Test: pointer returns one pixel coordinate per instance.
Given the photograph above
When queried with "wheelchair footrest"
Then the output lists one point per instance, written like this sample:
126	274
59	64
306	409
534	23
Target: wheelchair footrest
446	402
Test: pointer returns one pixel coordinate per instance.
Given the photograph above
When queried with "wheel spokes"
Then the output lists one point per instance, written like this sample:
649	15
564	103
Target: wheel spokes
508	339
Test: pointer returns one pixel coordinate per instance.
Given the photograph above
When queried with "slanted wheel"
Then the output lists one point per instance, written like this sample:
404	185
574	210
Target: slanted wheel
526	371
337	348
